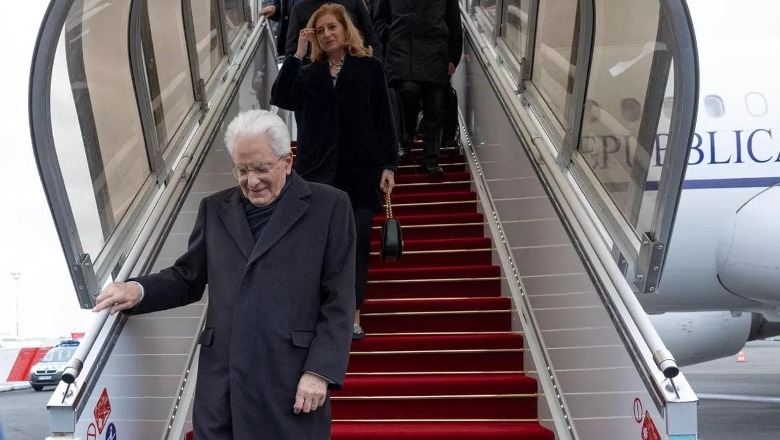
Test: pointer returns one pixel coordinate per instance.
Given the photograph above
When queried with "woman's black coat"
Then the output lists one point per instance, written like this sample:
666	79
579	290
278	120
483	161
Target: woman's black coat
346	136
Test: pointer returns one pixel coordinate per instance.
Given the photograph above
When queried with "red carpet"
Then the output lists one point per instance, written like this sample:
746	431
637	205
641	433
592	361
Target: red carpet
440	360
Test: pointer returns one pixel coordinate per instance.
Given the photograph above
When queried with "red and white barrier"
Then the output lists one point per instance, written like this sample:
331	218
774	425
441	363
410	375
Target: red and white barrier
7	360
15	363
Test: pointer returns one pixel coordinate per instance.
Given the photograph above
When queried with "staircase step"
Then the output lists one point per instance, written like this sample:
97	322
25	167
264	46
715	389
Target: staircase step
431	187
497	341
434	197
433	272
440	430
451	288
424	178
437	353
507	406
435	305
439	316
431	208
437	385
441	244
449	166
433	231
453	257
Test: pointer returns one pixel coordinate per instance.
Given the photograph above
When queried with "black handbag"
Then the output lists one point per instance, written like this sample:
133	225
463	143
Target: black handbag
391	244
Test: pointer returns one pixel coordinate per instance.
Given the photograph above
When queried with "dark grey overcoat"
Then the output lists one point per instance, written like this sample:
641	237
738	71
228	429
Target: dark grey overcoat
275	309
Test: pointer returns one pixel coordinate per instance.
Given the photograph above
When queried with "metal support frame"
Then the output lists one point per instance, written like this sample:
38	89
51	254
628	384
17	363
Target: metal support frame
683	120
44	148
576	105
143	98
198	84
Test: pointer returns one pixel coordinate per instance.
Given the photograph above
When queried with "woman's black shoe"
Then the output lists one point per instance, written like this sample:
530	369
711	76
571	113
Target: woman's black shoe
434	171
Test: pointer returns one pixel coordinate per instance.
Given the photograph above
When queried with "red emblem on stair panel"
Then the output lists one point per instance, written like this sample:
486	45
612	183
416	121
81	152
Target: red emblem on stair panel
102	411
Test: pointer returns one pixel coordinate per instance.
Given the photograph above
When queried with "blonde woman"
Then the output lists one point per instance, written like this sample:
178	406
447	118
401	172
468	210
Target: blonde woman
346	136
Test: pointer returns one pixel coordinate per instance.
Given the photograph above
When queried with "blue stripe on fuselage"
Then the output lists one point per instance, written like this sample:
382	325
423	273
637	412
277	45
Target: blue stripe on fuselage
748	182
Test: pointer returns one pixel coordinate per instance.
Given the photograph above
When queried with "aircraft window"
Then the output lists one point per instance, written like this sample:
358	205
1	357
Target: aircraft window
168	69
668	106
489	6
555	55
713	106
592	111
631	109
207	36
234	14
756	104
514	26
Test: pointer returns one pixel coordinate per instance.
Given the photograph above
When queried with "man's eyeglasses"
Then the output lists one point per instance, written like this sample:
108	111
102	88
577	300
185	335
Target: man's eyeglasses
242	172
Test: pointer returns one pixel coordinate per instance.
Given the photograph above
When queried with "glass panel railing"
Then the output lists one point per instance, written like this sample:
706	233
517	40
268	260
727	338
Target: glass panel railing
515	26
555	55
112	147
616	107
205	19
167	67
489	8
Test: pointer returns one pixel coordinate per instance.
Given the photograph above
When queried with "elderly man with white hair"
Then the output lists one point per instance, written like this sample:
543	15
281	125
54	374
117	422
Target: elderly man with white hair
278	256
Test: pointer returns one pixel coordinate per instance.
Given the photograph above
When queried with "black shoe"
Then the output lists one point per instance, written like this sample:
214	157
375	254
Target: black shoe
404	153
357	332
434	171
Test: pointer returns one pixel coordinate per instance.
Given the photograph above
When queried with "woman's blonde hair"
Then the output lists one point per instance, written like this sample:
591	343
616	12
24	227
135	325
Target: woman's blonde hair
353	42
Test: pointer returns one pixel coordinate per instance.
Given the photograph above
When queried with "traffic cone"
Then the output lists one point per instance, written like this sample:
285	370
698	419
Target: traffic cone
741	356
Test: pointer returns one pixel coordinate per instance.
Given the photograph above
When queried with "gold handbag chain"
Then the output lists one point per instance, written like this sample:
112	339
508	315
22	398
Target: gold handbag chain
388	206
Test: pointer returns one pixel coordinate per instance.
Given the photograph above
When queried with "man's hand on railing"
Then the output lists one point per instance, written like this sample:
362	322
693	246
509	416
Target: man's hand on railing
119	296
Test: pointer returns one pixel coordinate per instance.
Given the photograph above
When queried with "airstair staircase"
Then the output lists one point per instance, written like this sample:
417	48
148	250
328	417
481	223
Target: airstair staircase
440	360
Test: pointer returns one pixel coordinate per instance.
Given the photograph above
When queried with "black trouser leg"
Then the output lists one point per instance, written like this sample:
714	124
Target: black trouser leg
364	221
433	112
409	96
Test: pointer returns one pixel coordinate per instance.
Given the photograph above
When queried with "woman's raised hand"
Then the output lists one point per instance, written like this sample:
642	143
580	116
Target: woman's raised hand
304	38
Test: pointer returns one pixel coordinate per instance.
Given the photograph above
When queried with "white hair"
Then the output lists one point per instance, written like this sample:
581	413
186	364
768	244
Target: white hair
254	124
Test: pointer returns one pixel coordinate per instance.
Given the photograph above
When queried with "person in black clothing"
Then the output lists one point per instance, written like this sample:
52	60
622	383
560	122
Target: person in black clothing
303	10
424	42
279	11
346	134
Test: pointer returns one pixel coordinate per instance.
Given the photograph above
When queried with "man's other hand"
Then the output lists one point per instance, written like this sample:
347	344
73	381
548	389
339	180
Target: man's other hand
118	296
311	393
268	11
450	69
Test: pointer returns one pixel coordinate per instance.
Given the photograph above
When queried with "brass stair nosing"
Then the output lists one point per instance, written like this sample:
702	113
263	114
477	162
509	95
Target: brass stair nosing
445	333
465	351
418	166
454	421
442	312
440	225
429	280
449	202
449	182
442	251
433	373
441	397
